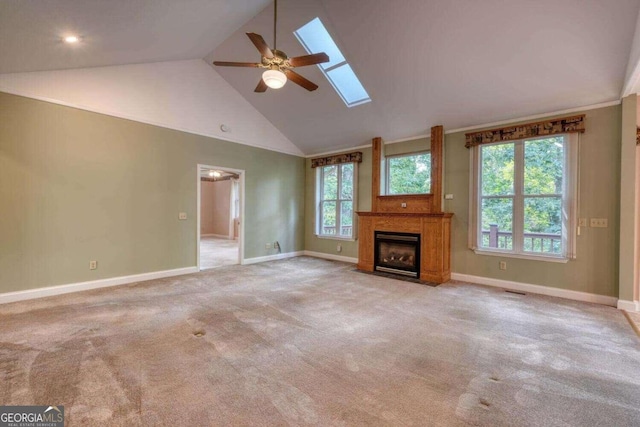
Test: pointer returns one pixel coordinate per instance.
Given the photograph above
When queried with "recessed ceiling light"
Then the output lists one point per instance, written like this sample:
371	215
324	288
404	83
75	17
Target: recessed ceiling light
71	39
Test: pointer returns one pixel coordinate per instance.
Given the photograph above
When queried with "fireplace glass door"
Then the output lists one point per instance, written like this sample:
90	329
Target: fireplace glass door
397	253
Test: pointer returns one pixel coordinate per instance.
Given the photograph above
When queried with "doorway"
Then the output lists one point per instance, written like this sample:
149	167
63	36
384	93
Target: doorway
220	216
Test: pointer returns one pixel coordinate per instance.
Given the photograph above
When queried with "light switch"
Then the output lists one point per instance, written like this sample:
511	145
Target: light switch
448	196
182	215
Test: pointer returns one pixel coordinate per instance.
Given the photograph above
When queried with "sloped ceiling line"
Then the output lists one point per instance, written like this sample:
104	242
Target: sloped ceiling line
183	95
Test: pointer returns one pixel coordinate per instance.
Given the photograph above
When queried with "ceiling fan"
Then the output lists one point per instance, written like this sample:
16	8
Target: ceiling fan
278	66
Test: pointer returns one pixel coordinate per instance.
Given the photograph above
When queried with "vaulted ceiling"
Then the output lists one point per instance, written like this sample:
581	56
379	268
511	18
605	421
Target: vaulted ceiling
457	63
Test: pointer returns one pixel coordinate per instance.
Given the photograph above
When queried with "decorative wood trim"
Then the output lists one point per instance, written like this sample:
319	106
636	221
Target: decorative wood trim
527	130
437	142
435	232
354	157
411	203
375	174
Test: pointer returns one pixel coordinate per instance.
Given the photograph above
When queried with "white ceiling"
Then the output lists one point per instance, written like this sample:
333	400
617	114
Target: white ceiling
424	62
114	32
452	62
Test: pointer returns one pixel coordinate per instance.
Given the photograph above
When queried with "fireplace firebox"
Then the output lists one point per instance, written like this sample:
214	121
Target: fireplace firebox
397	253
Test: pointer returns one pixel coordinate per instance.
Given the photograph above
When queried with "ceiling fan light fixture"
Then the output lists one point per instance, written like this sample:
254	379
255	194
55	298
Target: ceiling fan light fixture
275	79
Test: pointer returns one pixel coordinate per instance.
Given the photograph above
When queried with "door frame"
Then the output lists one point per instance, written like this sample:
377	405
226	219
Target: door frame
241	190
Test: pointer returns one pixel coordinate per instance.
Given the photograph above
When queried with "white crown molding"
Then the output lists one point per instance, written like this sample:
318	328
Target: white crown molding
93	284
481	126
537	116
343	150
141	120
537	289
331	257
200	99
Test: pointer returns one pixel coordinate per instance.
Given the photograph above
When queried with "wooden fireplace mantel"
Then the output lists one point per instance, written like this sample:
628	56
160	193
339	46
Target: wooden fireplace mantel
419	214
434	230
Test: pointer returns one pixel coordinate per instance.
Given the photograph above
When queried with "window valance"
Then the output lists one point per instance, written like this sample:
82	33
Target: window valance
527	130
355	157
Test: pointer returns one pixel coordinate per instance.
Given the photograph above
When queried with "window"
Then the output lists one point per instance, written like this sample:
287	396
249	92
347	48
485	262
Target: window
335	213
525	197
408	174
315	38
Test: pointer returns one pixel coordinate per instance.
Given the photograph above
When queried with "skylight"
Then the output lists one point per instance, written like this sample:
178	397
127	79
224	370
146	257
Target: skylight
315	38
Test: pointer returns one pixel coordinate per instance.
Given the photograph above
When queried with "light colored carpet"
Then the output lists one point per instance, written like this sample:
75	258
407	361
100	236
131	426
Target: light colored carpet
634	320
305	341
216	252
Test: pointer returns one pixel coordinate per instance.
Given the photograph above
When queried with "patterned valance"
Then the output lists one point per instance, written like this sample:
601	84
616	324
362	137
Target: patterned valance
528	130
355	157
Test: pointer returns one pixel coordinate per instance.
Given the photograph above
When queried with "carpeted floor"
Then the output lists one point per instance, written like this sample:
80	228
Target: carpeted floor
306	341
216	252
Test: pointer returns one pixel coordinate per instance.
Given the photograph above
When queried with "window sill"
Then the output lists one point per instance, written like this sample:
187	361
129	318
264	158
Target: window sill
560	260
329	237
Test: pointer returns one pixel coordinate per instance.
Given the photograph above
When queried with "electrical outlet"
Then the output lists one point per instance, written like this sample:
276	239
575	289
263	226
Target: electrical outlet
403	205
339	248
582	222
267	246
93	265
503	265
599	222
448	196
182	215
276	245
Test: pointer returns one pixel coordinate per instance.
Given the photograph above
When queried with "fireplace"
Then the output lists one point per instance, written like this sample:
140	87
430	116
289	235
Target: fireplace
397	253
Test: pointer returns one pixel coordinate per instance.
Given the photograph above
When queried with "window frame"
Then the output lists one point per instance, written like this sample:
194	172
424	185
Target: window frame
569	204
320	202
336	66
387	172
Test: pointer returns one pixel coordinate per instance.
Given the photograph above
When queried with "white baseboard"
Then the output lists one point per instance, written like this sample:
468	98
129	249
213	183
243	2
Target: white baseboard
537	289
331	257
94	284
275	257
219	236
628	305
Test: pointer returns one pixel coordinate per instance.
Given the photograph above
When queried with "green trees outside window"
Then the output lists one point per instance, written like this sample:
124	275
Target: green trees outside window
521	195
409	174
336	191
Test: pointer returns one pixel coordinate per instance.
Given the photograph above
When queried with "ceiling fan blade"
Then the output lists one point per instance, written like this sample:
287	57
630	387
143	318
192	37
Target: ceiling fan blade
262	86
261	45
299	80
235	64
316	58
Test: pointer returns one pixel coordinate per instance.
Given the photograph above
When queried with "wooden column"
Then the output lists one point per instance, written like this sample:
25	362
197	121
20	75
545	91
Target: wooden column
437	142
375	177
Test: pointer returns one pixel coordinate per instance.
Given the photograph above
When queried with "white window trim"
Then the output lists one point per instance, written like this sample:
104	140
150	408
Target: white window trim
318	201
570	205
385	184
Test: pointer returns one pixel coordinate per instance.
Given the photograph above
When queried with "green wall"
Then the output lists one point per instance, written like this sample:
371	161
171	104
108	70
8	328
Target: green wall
77	186
628	198
596	268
